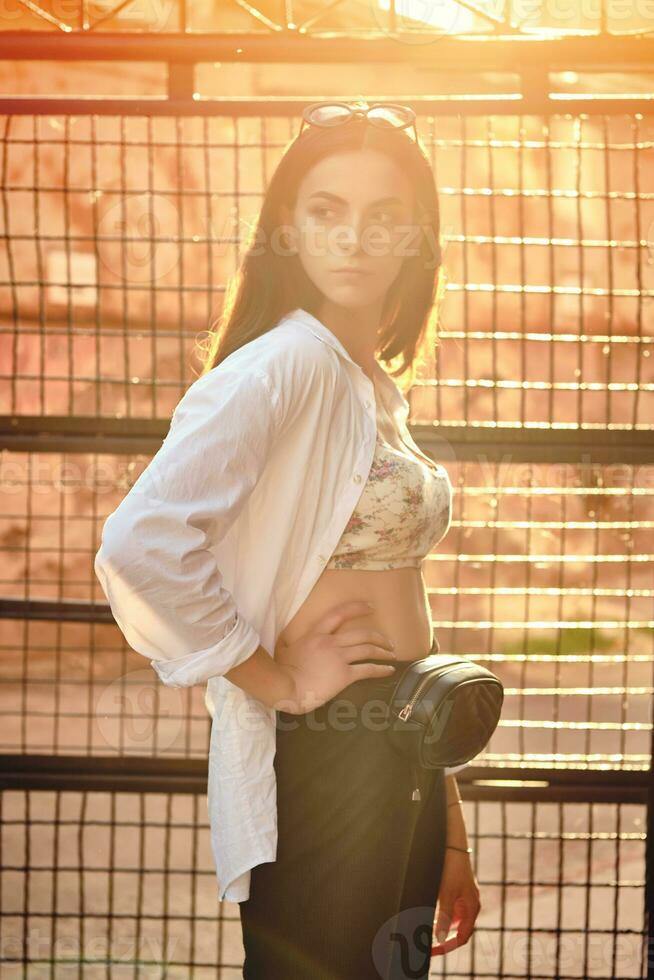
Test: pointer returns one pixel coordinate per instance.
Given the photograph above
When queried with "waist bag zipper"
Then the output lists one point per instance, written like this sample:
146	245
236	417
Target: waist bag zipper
404	715
409	706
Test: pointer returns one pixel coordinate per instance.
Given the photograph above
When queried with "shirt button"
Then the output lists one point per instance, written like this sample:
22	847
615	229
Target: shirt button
357	478
368	404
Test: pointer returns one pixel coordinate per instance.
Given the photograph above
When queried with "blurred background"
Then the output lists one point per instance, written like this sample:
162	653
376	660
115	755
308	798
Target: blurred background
135	142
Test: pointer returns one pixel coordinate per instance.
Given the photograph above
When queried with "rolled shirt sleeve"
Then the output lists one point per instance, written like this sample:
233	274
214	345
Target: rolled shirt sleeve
160	577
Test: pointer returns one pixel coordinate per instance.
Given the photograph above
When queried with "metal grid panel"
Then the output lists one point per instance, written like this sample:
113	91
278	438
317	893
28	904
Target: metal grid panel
118	884
111	884
545	575
118	234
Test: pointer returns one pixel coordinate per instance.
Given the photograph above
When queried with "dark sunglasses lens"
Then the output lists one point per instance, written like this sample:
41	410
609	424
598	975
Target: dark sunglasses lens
328	115
395	116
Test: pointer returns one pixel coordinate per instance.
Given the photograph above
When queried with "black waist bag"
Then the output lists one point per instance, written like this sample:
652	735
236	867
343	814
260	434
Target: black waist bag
443	710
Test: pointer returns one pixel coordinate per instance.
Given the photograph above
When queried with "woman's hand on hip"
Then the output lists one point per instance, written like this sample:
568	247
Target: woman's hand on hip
321	663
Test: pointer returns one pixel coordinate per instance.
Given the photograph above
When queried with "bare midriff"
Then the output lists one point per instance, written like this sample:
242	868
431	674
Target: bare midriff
401	612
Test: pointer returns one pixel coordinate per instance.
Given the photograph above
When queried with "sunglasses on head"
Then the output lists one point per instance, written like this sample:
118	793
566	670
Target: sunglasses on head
385	115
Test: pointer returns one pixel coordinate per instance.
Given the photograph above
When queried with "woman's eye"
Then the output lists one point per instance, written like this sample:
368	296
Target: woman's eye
324	213
320	211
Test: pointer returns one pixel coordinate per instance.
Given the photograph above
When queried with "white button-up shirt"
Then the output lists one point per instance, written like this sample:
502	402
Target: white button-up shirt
225	533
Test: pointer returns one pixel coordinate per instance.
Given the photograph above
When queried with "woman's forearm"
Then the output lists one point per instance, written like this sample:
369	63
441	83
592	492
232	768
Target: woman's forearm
456	827
262	677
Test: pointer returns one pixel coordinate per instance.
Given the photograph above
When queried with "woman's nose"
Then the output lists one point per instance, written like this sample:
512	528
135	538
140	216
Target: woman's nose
352	234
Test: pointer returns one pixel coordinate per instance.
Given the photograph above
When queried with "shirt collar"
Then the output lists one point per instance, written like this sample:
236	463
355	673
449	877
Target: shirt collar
318	328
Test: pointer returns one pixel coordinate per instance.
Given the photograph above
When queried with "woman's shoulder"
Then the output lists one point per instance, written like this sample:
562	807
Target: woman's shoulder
286	367
286	354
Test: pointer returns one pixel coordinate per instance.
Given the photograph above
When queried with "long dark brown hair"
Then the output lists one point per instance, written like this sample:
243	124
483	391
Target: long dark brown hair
269	284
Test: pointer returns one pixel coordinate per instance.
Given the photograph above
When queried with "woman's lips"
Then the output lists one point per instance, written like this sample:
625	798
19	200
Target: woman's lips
351	272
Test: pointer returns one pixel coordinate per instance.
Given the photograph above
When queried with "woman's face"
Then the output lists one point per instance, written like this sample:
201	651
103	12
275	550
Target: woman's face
354	209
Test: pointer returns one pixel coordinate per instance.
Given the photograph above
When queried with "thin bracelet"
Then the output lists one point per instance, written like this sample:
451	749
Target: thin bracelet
464	850
454	802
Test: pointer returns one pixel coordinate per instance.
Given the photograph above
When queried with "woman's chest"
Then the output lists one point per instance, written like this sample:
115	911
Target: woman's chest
401	509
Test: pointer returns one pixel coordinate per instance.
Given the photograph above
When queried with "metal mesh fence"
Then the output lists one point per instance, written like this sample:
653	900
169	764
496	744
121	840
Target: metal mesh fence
117	236
121	884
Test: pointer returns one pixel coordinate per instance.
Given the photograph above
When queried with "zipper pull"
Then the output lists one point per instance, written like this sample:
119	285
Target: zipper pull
416	793
405	712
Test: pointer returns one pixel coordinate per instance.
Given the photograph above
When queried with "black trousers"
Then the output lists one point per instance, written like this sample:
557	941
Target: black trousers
353	891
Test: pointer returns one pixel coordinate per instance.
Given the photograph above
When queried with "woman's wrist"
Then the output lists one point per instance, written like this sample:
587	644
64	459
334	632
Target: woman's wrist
268	681
284	697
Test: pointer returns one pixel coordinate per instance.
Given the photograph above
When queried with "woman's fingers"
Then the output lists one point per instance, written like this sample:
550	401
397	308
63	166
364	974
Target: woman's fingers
362	671
334	618
364	636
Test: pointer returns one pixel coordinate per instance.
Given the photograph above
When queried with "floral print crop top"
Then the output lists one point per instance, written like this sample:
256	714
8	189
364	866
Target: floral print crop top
404	510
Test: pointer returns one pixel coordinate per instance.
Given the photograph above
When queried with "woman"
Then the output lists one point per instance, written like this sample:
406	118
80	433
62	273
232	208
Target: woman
349	890
319	908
